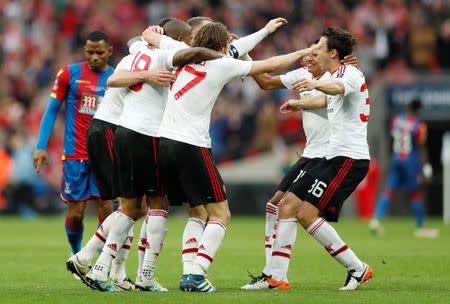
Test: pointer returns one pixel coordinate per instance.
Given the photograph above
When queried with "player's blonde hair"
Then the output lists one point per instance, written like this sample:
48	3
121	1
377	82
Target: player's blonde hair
213	36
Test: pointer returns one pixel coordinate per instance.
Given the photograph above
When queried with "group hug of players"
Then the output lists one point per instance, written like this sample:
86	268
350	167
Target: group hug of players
140	133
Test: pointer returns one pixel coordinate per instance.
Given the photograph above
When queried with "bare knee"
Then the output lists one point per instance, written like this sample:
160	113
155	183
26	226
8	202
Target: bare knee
276	198
198	212
289	206
307	214
218	212
131	207
157	202
104	208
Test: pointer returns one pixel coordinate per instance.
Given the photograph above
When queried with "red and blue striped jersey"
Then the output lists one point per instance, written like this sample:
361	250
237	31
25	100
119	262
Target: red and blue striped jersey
408	133
81	89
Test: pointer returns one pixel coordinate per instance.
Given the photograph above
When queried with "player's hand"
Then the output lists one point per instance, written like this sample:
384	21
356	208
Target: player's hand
232	36
156	29
160	76
303	85
291	105
350	60
274	24
40	158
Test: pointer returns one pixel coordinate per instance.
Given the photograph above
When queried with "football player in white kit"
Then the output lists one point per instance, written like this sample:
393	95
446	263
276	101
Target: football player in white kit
197	215
317	194
100	139
184	130
135	152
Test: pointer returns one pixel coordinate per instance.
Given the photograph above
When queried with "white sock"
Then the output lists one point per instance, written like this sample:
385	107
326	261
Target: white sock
325	234
142	245
156	232
117	236
209	244
192	234
271	226
86	254
118	273
282	248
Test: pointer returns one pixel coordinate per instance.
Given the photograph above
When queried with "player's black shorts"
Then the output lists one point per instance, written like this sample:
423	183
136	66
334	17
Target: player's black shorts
302	164
100	140
328	184
189	174
136	164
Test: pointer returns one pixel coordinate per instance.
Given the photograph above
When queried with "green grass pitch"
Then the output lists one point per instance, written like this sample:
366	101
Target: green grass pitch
407	269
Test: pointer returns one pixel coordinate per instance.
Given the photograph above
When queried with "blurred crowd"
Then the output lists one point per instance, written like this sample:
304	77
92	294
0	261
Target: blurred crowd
396	40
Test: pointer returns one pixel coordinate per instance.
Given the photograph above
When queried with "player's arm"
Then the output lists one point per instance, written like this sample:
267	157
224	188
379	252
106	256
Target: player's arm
310	103
183	57
153	35
124	78
277	63
268	82
329	87
245	44
58	94
421	137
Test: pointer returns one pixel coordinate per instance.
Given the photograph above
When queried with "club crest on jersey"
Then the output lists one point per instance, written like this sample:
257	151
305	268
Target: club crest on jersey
88	104
67	189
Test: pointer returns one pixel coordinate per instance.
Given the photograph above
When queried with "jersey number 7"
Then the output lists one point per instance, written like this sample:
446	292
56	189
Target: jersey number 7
199	76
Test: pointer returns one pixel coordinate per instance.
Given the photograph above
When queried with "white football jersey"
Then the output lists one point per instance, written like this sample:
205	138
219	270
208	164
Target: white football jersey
144	104
111	105
315	122
192	97
348	115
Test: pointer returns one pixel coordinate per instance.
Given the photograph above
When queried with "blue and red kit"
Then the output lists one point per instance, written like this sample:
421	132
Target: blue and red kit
81	89
408	134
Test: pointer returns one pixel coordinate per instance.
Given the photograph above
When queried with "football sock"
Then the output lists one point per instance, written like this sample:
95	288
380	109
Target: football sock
74	232
209	244
117	236
418	209
271	226
156	232
191	236
282	247
383	204
142	244
97	241
118	273
325	234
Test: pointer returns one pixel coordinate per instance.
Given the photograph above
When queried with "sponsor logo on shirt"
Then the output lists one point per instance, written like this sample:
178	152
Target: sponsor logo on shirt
89	103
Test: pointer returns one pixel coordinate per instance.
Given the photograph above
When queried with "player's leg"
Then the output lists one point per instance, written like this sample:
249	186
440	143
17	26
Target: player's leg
74	224
323	193
142	237
292	173
192	234
218	218
118	273
383	202
155	233
120	227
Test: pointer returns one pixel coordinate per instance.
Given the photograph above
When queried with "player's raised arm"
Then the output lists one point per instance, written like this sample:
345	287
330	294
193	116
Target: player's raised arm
153	35
277	63
186	56
124	78
311	103
245	44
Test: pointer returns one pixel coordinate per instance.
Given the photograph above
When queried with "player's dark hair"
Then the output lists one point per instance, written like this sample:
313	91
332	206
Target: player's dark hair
97	36
213	36
415	105
341	40
177	28
197	22
163	21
